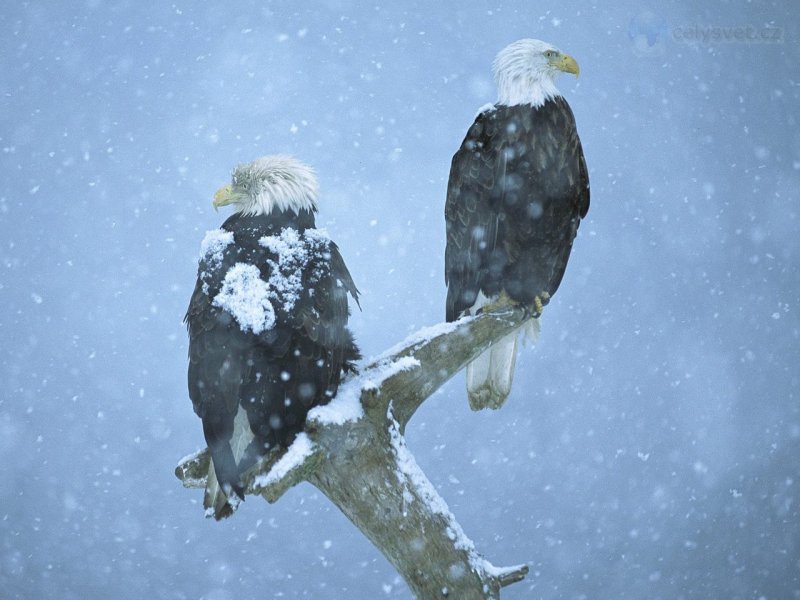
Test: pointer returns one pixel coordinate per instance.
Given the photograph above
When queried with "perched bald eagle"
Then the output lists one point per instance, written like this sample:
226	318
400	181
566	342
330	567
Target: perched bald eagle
518	189
268	336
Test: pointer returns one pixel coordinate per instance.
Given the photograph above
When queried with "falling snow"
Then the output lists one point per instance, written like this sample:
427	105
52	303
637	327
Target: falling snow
649	446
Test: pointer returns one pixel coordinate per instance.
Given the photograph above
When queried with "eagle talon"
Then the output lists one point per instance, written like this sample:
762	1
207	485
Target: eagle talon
502	301
539	302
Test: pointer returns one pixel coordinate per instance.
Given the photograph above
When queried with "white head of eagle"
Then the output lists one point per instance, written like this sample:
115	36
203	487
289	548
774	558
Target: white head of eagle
525	72
271	182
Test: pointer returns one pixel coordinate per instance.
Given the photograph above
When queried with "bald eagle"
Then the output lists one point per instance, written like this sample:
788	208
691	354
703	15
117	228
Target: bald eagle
517	191
267	321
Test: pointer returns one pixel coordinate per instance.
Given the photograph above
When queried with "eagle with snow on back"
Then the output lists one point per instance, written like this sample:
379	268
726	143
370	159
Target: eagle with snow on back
268	336
517	191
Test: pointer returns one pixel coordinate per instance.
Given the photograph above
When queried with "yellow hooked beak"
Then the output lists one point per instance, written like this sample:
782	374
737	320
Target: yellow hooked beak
564	62
223	197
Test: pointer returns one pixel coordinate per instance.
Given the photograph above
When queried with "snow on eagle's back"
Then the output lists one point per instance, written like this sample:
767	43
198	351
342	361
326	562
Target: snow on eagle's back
246	296
294	252
214	243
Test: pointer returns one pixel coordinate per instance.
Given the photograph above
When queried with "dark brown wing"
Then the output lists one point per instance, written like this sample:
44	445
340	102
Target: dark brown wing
325	312
472	224
576	195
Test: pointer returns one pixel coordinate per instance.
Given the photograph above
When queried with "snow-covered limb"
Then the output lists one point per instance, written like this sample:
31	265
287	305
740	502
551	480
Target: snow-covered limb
193	469
354	452
442	351
270	478
292	467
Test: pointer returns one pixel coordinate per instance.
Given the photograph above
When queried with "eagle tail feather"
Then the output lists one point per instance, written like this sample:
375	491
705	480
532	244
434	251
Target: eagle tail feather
530	332
489	376
217	503
228	461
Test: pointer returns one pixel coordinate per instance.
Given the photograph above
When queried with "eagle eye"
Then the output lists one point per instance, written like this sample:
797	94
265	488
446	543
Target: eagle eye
550	53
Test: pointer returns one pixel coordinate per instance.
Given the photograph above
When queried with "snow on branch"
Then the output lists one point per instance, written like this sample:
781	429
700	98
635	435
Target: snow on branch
354	445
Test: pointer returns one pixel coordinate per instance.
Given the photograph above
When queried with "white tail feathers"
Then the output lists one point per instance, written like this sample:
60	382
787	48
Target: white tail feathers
530	332
489	377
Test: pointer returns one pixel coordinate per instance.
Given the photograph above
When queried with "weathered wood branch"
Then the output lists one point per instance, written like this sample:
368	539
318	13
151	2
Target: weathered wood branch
354	452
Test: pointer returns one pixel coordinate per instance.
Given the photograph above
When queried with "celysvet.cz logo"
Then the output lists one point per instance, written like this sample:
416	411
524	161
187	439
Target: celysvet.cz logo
650	34
727	34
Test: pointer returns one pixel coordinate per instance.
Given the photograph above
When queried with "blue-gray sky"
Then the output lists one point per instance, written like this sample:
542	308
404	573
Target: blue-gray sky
650	446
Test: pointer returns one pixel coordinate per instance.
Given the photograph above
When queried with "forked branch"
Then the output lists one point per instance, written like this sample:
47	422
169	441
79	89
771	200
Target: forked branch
353	450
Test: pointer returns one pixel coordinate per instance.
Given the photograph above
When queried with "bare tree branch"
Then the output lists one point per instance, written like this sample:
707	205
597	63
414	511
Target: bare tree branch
354	452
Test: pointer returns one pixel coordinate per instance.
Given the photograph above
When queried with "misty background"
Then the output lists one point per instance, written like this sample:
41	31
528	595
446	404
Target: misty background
651	445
